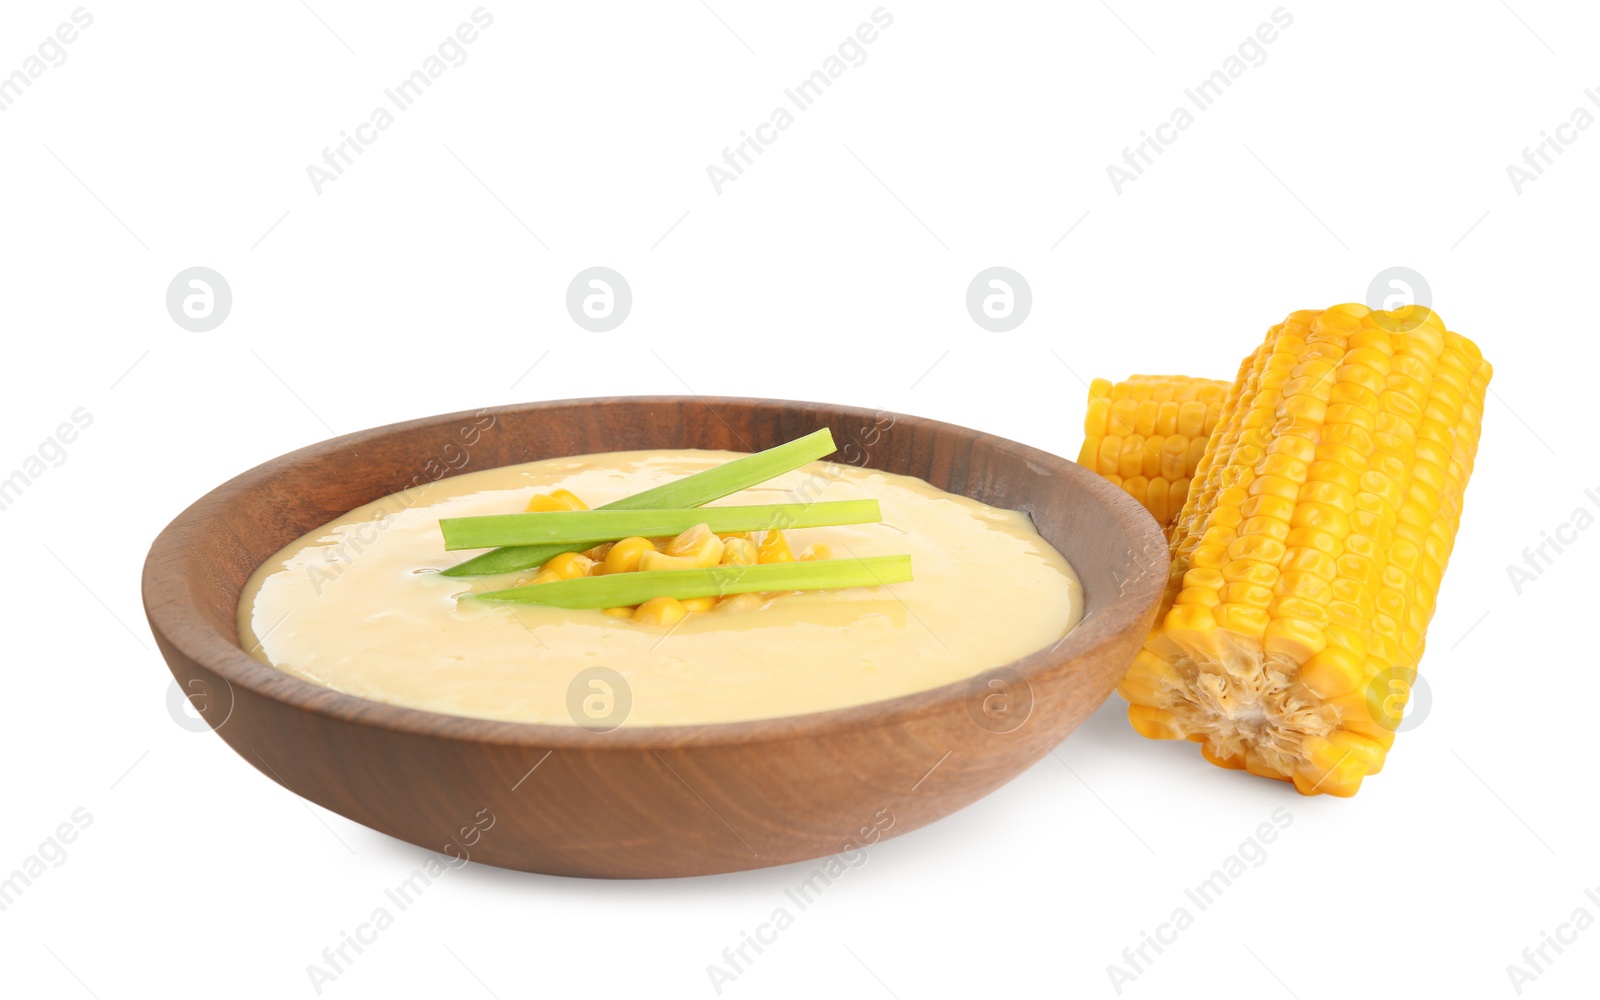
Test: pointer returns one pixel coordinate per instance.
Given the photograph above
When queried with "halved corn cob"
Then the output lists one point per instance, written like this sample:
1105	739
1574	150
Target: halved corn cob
1308	555
1148	434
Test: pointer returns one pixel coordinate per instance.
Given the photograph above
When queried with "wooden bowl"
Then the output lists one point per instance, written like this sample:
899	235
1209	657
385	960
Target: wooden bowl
647	801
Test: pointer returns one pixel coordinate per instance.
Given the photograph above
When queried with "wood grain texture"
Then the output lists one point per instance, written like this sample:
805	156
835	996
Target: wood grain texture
646	801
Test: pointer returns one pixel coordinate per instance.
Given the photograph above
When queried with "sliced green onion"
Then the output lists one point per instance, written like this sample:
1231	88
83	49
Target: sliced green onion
690	491
616	590
567	527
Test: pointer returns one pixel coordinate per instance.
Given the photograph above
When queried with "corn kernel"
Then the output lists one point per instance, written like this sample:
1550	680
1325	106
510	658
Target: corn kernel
569	565
660	611
740	602
699	545
542	502
738	552
625	554
569	498
774	548
653	561
1087	454
1154	723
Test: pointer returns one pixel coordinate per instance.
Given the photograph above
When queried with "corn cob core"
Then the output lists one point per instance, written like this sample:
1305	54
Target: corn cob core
1308	555
1148	434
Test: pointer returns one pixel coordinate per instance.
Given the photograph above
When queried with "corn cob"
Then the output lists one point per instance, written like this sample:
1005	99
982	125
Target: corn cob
1148	435
1308	555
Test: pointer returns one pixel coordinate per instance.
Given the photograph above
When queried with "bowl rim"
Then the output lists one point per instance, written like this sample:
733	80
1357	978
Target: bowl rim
177	621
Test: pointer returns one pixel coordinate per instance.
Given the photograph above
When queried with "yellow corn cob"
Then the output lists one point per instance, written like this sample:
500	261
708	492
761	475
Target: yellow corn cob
1148	434
1308	555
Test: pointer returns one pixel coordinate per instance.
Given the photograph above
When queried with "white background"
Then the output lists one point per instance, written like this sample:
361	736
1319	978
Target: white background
1375	134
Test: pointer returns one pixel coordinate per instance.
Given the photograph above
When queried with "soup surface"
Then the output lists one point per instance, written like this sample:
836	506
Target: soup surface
356	605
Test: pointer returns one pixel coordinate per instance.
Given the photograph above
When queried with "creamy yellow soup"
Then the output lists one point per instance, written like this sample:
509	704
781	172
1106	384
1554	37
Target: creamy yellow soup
357	605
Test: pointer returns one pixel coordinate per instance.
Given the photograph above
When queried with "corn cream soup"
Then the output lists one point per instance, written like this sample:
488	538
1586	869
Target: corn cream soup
357	605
